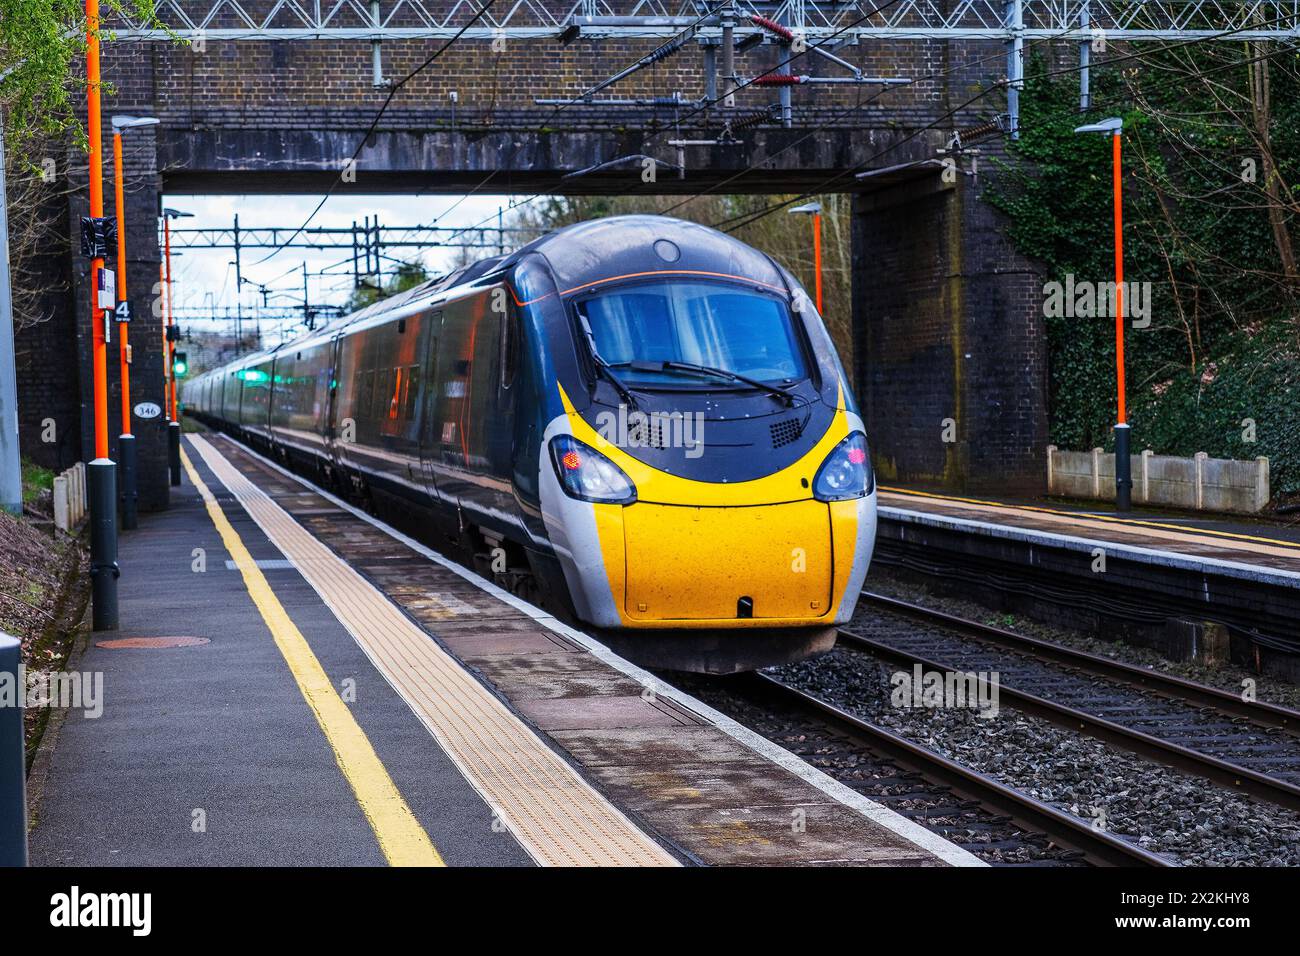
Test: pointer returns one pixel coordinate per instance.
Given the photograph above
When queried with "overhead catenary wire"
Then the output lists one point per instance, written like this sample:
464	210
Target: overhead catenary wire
740	220
682	35
748	217
851	108
705	104
744	219
374	124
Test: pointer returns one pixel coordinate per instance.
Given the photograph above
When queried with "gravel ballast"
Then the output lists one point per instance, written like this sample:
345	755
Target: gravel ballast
1186	817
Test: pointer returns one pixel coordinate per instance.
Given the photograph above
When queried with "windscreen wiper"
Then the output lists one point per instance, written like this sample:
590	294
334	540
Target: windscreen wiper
605	369
776	391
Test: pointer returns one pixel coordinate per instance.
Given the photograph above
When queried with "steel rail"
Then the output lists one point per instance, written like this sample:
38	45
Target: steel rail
1165	685
1062	828
1182	758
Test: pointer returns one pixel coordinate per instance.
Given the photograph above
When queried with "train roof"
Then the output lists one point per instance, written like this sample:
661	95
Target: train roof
630	245
579	255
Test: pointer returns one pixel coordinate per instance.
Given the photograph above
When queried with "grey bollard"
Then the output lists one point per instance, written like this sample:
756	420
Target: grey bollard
103	544
126	480
13	776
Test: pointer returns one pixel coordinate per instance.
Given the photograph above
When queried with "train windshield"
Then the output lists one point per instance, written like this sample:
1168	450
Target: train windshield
705	324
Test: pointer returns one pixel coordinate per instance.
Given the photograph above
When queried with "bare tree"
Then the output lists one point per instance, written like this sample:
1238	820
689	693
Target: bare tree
37	198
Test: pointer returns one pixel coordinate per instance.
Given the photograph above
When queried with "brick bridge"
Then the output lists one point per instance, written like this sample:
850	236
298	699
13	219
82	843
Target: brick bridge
947	317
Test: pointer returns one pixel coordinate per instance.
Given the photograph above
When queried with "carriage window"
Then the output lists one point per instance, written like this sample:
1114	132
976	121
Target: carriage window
366	397
412	391
395	401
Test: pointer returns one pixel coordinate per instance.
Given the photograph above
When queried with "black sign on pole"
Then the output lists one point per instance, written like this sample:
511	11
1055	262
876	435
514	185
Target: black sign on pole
123	312
97	236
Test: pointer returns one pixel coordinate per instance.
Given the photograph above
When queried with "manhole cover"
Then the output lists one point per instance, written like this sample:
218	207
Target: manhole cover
153	642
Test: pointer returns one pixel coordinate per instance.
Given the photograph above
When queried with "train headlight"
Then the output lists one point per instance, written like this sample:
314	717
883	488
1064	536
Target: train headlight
846	472
588	475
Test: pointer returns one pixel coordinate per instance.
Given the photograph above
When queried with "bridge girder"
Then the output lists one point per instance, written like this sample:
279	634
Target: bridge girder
972	20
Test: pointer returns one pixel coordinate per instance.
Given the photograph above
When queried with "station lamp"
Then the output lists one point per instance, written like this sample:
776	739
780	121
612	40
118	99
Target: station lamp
814	209
126	441
1114	128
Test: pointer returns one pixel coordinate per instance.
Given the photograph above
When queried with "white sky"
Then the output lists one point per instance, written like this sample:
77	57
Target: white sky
204	282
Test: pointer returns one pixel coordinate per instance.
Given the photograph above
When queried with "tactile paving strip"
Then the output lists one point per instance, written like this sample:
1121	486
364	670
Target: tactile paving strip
555	814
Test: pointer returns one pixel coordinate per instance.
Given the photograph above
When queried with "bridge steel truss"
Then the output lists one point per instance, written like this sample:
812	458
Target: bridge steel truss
1002	20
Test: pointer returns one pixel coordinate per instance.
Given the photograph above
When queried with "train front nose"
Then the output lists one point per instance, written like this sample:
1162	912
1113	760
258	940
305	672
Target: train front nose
728	564
647	547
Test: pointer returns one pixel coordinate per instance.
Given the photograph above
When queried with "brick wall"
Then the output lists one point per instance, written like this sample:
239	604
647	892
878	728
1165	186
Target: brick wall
950	340
49	389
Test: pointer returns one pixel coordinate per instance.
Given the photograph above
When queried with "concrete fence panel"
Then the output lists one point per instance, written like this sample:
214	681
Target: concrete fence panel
1199	483
1071	473
70	497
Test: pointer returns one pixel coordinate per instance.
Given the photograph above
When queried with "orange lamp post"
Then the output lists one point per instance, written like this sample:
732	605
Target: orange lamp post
1114	128
102	472
126	451
814	209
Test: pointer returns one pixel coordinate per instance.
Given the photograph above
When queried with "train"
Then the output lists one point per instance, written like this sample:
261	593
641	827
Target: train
640	421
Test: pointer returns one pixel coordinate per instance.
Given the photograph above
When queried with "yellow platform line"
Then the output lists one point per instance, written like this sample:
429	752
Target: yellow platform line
1254	543
401	838
556	815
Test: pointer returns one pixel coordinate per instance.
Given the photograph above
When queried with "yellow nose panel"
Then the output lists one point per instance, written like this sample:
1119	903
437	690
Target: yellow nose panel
686	563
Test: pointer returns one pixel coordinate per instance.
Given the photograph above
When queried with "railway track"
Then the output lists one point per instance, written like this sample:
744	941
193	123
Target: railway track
1248	746
997	823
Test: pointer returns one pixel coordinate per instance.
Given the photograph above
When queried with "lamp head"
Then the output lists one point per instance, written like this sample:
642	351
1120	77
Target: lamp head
1111	127
177	214
808	208
131	122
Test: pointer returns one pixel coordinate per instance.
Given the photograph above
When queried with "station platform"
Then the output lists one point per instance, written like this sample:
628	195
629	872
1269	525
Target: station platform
1147	573
295	683
1204	539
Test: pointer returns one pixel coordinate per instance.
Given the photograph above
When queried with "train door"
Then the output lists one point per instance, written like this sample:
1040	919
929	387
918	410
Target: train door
273	386
471	416
329	421
430	385
453	412
399	425
239	402
499	444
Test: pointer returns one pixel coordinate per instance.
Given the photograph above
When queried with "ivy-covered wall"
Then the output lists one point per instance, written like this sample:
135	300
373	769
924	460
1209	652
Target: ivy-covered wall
1211	187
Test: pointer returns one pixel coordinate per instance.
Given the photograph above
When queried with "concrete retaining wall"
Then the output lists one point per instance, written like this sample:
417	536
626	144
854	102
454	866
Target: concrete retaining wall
1199	483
